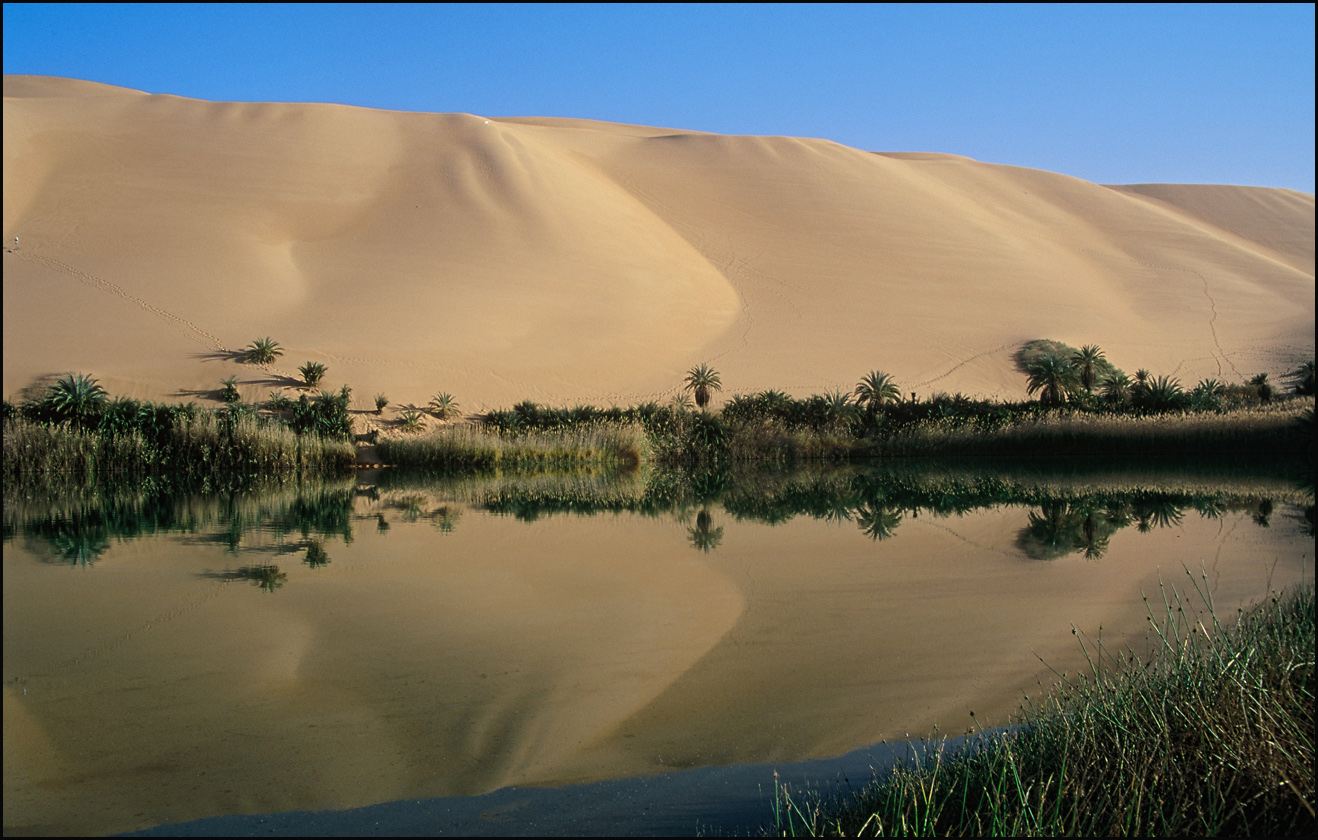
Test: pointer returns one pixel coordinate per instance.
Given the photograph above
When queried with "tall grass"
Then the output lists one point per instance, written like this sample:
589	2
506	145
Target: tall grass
1065	433
1210	734
469	448
46	454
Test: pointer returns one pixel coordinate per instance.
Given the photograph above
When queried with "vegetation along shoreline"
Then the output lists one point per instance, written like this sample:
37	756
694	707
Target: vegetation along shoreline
1085	408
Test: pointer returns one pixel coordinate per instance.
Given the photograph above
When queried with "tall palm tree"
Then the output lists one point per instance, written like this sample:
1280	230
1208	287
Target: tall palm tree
700	380
1263	385
1088	361
1054	378
876	389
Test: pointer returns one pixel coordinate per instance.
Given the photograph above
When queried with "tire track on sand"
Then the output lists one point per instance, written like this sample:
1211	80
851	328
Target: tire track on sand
191	330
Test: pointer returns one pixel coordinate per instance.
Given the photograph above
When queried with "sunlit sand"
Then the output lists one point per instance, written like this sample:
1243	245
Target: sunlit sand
570	261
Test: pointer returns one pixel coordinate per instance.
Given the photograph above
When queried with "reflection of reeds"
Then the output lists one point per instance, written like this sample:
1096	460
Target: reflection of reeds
1213	736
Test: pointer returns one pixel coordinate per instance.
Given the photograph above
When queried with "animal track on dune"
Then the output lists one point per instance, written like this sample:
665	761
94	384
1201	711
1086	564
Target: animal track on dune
963	363
1221	354
197	333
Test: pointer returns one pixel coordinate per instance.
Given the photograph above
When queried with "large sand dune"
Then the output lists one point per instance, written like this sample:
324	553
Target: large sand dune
568	260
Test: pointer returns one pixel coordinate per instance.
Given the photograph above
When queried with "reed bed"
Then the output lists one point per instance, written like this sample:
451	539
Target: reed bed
474	449
1211	733
1267	428
40	454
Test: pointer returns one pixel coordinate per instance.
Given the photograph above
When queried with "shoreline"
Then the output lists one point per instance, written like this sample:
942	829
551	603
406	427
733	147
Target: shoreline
718	800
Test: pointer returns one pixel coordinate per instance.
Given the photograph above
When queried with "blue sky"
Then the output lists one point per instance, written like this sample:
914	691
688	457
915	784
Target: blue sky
1114	94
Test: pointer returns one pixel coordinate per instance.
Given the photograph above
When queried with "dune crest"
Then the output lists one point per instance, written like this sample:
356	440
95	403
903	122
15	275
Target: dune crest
573	260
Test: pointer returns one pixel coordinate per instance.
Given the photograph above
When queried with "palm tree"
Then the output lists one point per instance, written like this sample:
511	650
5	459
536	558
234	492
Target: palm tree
380	402
1116	387
876	389
1304	378
1162	393
700	380
410	421
1264	386
1088	360
312	373
229	391
263	351
443	406
76	395
1054	378
838	407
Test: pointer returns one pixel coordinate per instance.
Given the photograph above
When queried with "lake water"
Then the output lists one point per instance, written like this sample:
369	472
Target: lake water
173	657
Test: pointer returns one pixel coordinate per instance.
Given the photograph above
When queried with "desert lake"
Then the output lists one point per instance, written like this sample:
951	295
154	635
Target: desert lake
171	656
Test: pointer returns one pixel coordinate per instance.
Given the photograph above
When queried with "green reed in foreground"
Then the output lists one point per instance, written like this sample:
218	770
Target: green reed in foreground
1212	735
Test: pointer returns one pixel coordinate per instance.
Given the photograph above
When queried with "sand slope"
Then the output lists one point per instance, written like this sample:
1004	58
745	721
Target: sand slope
568	260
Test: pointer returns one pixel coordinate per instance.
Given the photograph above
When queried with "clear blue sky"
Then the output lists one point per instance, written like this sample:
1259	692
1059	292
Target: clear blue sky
1114	94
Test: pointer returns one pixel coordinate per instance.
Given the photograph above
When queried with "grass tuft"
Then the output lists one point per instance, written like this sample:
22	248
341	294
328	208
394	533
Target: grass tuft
1213	734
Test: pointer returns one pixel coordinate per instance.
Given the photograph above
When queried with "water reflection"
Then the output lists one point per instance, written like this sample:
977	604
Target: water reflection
1059	518
404	636
265	575
878	522
704	536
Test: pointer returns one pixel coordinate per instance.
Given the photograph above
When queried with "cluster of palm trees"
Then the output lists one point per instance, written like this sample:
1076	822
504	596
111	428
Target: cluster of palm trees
1059	378
873	391
1086	372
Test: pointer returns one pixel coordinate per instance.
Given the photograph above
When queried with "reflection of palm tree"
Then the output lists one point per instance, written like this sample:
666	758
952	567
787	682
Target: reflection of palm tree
1263	514
1094	535
81	546
1156	513
1052	532
836	509
316	556
703	537
266	576
877	523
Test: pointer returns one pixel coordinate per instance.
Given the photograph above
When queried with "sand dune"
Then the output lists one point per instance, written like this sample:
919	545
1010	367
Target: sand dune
569	260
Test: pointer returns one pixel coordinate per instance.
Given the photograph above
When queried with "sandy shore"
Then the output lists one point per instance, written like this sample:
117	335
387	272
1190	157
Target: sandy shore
568	260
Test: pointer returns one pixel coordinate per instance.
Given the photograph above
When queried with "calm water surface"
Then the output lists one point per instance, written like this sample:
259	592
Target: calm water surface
169	658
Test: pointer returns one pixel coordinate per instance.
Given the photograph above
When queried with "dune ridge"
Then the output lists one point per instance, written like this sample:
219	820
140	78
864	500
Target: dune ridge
567	261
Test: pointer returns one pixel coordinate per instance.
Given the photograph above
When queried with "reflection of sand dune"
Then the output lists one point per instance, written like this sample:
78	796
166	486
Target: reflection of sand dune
414	664
565	260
